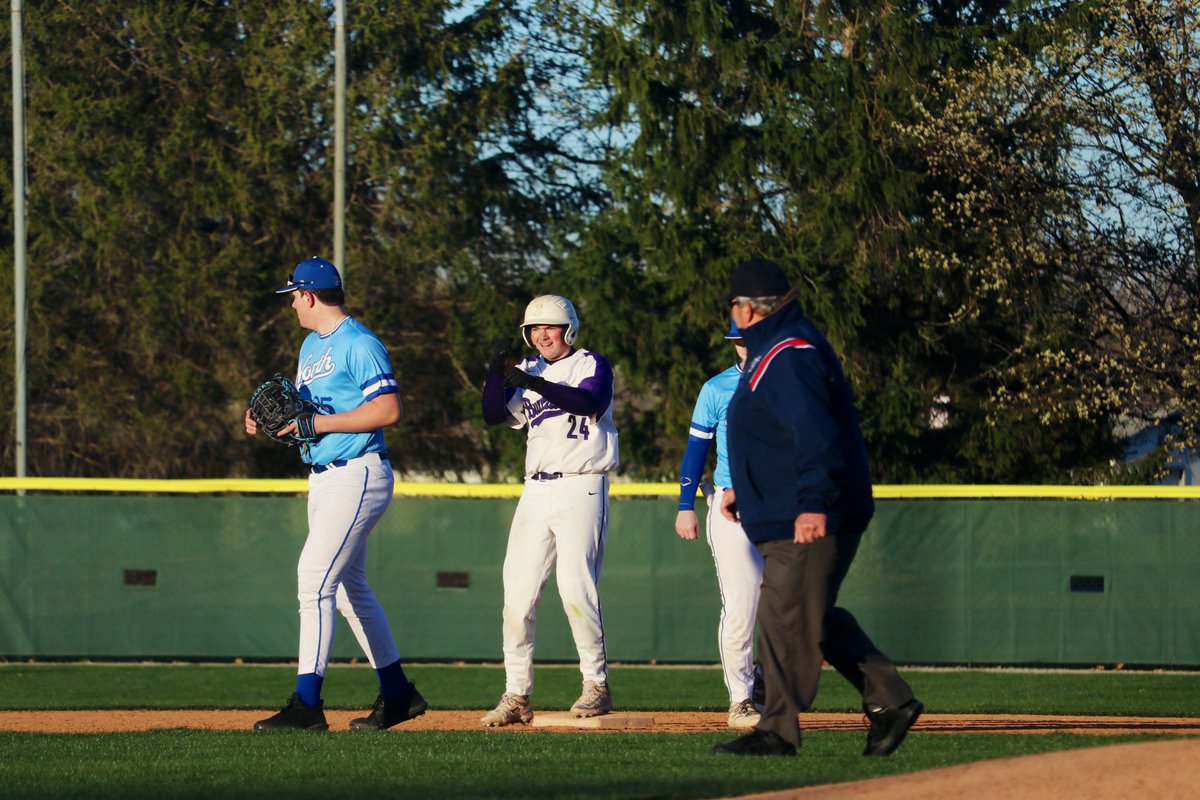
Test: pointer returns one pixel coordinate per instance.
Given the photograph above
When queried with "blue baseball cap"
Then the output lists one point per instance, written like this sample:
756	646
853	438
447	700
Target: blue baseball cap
315	273
734	331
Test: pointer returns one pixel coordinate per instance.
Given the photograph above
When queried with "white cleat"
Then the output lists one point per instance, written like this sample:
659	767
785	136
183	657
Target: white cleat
594	701
511	709
744	714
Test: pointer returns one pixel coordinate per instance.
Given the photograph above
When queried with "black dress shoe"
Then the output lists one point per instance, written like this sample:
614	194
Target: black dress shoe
755	743
889	726
295	716
392	709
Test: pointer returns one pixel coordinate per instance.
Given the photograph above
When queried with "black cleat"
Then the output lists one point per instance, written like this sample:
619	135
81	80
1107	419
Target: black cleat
755	743
392	709
889	726
295	716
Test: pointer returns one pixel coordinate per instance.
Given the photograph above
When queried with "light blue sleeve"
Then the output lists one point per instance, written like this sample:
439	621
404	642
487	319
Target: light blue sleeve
371	368
707	412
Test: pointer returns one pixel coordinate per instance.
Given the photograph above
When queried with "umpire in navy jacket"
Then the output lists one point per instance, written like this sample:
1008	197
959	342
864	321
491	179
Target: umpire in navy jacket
802	492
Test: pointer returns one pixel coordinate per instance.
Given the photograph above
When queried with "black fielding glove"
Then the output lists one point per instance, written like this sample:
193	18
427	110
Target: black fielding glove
520	379
501	350
276	404
306	430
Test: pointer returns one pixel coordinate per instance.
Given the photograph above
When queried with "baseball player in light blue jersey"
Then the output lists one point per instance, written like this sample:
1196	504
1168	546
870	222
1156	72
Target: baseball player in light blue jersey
563	397
739	565
345	369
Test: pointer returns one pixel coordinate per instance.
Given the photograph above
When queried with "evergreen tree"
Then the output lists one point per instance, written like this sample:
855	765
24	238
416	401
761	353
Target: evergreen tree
915	167
778	130
180	165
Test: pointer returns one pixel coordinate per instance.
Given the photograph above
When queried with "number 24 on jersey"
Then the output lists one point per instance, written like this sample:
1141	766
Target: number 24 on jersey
579	427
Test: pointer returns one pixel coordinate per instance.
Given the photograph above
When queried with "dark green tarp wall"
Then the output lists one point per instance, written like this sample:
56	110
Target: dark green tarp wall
936	581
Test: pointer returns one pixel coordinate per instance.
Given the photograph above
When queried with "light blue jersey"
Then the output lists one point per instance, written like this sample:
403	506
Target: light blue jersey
708	418
341	371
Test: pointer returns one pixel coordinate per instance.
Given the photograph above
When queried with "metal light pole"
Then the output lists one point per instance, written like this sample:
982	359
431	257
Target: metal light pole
18	106
339	142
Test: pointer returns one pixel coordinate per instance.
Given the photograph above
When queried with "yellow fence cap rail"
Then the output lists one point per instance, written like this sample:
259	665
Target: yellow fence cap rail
617	489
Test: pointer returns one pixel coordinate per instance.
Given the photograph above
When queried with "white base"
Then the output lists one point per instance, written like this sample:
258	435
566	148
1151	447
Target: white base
564	719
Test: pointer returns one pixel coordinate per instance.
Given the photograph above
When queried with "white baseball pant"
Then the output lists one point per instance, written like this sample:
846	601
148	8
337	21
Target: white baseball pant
739	577
344	504
559	524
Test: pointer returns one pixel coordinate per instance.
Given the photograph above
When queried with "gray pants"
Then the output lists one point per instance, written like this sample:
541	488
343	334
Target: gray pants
800	626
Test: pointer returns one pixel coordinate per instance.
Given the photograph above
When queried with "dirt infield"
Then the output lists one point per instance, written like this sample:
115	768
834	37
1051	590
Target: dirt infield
664	722
1165	769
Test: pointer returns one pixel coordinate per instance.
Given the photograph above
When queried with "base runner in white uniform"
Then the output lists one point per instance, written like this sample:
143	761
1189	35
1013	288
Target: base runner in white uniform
564	399
344	368
739	565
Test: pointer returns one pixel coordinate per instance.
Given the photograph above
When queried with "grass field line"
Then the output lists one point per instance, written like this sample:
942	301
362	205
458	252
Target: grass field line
695	688
1118	669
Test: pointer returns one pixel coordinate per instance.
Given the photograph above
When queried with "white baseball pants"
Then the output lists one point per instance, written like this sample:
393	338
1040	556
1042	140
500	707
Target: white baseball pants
559	524
344	504
739	577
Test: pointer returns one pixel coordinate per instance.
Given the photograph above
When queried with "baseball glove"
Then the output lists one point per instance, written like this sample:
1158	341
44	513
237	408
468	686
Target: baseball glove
277	404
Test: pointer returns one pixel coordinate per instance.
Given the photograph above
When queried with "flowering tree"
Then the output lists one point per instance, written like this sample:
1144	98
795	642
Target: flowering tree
1076	169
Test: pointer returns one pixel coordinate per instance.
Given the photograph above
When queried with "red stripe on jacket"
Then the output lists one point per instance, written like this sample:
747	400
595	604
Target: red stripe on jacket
761	369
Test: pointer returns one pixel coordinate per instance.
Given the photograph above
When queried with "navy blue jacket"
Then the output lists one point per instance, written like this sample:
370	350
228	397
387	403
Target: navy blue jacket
793	435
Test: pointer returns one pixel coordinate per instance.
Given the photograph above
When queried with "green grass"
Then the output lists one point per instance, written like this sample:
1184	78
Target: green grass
51	686
415	764
192	764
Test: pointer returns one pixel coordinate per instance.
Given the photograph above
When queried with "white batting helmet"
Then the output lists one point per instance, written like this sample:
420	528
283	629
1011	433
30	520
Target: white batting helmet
550	309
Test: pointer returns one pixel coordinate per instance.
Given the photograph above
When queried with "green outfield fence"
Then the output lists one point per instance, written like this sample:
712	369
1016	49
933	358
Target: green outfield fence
205	569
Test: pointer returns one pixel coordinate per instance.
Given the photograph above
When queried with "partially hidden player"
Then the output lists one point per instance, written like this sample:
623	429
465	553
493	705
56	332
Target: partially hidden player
345	369
738	563
802	492
563	397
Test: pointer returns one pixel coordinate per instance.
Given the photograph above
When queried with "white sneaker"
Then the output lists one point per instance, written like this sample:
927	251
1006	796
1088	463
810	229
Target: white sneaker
594	701
743	714
512	708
